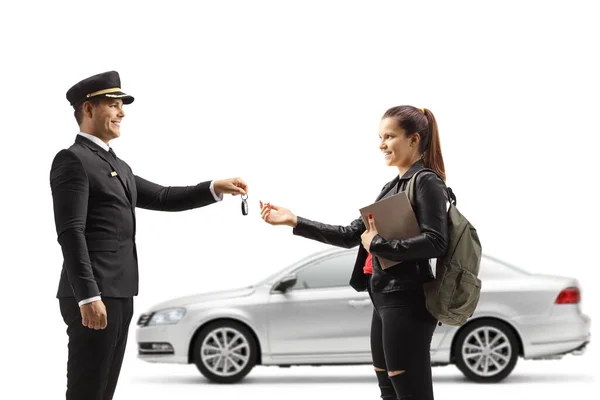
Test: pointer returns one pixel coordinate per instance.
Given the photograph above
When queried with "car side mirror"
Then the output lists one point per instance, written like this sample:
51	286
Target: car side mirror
286	283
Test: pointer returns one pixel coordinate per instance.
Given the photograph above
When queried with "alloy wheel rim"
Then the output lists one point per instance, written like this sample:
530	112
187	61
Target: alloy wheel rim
486	351
225	351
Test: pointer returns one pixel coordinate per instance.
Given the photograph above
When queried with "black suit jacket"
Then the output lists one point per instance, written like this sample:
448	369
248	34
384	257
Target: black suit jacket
95	196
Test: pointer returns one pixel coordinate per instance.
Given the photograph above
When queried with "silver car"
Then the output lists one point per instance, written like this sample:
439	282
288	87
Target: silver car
307	314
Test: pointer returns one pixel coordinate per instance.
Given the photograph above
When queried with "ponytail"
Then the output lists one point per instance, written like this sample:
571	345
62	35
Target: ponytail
433	152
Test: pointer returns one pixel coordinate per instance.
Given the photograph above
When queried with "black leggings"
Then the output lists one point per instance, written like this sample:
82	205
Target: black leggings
401	331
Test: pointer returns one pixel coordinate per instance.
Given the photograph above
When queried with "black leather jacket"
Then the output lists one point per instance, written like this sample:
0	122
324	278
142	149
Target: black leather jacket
413	254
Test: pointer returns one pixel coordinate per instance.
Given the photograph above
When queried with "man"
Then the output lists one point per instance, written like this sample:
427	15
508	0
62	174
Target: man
95	194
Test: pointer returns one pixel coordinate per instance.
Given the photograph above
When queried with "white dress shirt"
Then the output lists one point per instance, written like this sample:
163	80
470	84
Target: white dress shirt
99	142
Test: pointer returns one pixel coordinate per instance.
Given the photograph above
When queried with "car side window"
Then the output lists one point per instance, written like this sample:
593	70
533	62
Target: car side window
327	273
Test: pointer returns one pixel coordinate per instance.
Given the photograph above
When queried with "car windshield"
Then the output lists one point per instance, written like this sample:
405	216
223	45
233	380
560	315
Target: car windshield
268	279
271	278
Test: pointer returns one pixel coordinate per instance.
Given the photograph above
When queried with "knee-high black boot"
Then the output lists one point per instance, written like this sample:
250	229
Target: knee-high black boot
385	385
410	387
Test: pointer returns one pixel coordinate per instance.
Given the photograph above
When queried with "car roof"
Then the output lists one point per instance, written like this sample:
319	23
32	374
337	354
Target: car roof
312	257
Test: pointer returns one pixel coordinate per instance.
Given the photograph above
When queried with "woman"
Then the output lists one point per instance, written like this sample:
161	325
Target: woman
401	328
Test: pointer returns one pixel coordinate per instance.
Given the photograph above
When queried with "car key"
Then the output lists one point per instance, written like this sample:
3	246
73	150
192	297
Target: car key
244	205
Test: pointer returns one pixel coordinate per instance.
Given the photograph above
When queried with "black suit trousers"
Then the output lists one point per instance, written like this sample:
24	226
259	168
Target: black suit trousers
95	356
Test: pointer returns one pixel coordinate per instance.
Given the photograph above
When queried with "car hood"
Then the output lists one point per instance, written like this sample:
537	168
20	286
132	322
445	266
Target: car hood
203	297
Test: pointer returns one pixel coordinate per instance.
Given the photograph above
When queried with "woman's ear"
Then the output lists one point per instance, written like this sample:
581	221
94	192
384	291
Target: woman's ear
414	140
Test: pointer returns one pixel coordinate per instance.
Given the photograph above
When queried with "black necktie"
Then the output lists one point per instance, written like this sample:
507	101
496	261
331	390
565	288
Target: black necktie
112	153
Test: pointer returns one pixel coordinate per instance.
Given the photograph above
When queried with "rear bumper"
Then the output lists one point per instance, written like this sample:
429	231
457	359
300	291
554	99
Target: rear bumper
556	337
555	351
580	350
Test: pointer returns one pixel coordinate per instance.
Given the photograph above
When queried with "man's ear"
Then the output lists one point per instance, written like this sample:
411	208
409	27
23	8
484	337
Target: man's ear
87	109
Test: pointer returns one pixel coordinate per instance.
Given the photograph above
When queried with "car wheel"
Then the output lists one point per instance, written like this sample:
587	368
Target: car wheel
225	351
486	351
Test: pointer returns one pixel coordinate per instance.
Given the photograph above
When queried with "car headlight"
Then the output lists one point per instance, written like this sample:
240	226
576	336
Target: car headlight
165	317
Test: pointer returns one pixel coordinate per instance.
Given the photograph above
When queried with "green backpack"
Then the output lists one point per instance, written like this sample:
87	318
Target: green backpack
453	296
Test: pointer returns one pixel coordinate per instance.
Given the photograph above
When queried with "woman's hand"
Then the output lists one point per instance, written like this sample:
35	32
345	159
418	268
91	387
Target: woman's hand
276	215
369	234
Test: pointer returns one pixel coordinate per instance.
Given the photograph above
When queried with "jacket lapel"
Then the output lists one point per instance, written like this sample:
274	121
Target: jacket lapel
388	187
116	167
114	164
417	166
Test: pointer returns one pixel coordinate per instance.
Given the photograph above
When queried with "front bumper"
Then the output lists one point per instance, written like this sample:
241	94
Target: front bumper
163	343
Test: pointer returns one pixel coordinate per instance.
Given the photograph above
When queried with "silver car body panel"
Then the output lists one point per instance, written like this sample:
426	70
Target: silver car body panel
331	325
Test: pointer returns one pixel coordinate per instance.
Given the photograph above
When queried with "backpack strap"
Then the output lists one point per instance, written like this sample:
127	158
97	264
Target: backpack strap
451	196
410	187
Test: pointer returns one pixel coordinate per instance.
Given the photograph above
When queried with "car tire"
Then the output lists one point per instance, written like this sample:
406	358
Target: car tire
225	351
497	345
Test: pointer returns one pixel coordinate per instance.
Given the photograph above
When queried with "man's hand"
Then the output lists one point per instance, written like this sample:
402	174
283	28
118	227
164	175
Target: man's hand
369	234
233	186
93	315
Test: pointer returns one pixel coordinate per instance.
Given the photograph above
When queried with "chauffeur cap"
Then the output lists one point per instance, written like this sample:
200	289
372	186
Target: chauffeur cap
106	84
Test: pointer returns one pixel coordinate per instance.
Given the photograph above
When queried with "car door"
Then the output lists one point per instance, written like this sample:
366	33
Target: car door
321	314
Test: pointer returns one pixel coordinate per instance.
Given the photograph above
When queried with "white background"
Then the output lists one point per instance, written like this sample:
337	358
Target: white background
288	95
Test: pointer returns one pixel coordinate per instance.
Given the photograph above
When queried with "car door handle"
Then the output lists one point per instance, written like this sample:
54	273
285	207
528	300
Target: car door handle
359	303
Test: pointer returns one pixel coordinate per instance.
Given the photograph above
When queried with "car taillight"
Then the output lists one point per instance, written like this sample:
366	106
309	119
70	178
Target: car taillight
568	296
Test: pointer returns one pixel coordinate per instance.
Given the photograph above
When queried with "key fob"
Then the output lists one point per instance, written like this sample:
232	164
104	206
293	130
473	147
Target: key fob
244	205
